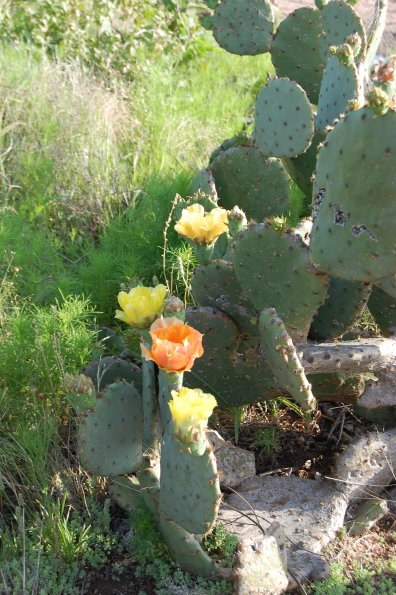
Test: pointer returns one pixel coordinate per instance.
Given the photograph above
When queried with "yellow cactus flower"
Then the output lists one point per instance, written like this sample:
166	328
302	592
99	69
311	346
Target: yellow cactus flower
191	409
141	306
200	227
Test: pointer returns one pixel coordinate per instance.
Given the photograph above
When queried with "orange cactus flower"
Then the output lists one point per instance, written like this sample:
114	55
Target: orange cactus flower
175	345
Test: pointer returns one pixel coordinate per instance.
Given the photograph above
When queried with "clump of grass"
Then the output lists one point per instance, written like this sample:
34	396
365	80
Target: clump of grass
30	261
38	345
54	552
65	142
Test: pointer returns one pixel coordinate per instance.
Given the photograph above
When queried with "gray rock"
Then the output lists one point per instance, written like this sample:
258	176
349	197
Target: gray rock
367	466
309	512
260	567
234	464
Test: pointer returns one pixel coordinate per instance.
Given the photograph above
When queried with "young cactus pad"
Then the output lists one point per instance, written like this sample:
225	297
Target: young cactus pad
283	360
340	84
353	236
110	436
244	27
284	123
295	50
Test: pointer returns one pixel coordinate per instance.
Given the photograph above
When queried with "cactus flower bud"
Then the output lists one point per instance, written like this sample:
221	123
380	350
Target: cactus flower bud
200	227
78	384
190	410
141	306
378	101
237	221
173	306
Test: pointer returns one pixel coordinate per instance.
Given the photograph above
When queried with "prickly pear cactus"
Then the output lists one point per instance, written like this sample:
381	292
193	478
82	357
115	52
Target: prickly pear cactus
265	292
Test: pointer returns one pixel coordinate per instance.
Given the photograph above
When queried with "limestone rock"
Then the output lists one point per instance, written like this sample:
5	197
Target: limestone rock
234	464
260	567
366	467
310	512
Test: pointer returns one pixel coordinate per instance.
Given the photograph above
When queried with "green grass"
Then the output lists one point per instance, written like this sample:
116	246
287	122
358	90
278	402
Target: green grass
89	174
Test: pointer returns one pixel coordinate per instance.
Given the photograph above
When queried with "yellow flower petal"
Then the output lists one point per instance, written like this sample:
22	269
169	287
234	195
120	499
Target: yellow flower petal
142	305
200	227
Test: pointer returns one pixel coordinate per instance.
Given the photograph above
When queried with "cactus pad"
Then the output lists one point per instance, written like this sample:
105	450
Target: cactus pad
203	182
233	375
273	269
215	285
302	167
239	140
206	20
259	186
295	50
340	84
283	360
190	488
110	436
108	370
388	284
383	307
244	27
337	386
126	492
186	549
353	236
283	119
344	304
339	21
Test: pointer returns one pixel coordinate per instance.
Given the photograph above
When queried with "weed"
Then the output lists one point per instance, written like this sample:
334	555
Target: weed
155	561
53	555
220	544
38	345
267	439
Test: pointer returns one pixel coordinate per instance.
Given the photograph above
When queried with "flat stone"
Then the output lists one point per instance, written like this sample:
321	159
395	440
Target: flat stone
309	512
234	464
366	467
260	567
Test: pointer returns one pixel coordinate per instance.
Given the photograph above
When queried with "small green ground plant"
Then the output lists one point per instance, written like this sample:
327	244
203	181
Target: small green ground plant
155	561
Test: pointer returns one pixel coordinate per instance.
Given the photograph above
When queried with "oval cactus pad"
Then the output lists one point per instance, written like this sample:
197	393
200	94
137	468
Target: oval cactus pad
110	436
339	21
340	84
295	50
244	27
283	119
353	236
259	186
